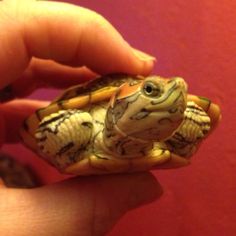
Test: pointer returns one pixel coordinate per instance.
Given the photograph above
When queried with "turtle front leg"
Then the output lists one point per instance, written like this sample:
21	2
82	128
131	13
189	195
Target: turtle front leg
212	109
63	135
192	131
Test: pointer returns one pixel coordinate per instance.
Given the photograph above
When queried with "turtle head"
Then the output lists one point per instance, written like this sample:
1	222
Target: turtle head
150	109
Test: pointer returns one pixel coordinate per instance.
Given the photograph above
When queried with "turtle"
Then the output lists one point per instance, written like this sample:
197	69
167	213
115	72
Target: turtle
120	123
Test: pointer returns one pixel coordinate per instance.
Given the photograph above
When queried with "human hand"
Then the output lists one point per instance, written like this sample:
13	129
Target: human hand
55	44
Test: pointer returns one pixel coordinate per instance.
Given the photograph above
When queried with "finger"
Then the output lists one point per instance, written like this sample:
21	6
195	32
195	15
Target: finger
66	34
12	115
44	74
82	206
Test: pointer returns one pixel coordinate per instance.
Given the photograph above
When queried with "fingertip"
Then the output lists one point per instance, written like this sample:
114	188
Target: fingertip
137	61
146	62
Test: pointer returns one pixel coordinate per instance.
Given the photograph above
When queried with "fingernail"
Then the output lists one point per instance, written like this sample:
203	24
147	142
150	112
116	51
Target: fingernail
145	190
143	56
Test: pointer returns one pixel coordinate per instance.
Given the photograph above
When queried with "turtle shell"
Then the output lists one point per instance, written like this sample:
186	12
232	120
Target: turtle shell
75	97
94	92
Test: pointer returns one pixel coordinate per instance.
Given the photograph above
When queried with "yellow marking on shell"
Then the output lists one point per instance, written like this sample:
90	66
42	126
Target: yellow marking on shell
71	90
32	123
94	97
29	140
94	165
27	135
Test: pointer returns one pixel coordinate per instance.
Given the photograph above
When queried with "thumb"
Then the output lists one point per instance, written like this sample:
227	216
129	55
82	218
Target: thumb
79	206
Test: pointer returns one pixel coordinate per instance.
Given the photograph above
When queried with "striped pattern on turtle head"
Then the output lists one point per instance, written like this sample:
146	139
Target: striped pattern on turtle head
150	110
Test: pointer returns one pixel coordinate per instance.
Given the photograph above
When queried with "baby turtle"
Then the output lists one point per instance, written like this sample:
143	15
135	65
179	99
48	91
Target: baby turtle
120	123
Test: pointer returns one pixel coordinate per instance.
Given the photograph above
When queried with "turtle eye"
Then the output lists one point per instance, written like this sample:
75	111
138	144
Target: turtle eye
151	89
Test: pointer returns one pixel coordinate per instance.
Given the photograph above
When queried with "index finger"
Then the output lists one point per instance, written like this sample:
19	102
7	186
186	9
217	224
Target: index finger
64	33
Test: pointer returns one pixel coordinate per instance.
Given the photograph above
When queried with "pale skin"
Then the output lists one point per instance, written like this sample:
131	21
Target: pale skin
55	44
